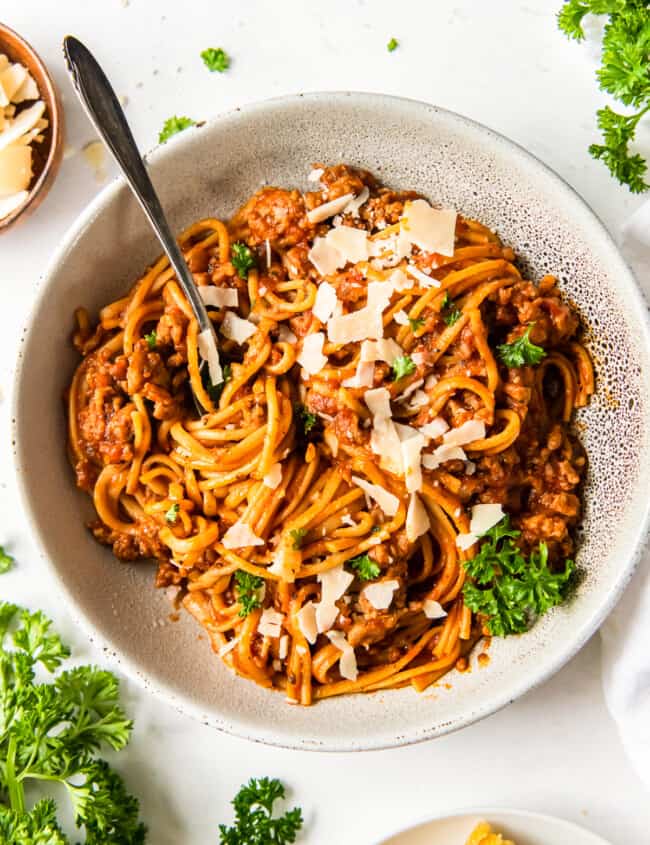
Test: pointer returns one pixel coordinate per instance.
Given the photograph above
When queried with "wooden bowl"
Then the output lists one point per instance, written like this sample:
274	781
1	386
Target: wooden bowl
46	155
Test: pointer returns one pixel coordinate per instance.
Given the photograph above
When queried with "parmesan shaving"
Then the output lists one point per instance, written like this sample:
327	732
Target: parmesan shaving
465	541
441	454
219	297
385	349
285	335
283	647
485	517
348	660
380	594
228	647
240	536
364	375
417	519
401	318
436	428
207	347
364	324
306	617
237	329
311	356
430	229
423	278
433	609
273	478
468	432
329	209
351	243
355	204
270	624
325	257
386	501
315	174
325	302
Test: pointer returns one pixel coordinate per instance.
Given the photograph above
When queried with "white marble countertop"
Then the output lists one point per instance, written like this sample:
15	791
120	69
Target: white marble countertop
504	64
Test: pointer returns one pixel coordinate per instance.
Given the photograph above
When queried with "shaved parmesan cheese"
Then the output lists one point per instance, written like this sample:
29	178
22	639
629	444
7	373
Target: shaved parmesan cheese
346	519
207	348
311	356
325	302
11	80
25	121
412	443
332	441
329	209
364	324
465	541
417	519
283	647
418	358
228	647
430	382
351	243
267	245
423	278
386	501
364	375
240	536
385	349
378	402
334	583
9	204
435	428
315	174
441	454
306	617
270	624
468	432
286	563
27	91
431	229
237	329
285	335
15	169
399	280
380	594
409	390
325	257
219	297
348	660
433	609
419	400
401	318
273	478
485	517
355	204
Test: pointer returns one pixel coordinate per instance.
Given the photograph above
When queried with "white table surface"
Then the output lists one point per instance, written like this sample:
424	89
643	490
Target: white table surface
504	64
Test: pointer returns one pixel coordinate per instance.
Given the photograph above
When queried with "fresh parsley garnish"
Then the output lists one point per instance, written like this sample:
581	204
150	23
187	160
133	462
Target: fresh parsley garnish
510	590
521	351
6	561
415	323
254	820
50	732
365	567
305	419
624	73
450	314
392	45
173	125
297	535
248	591
242	259
402	367
172	514
151	339
216	58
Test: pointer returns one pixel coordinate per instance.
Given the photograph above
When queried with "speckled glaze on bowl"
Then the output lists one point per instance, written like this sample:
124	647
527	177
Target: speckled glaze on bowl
209	171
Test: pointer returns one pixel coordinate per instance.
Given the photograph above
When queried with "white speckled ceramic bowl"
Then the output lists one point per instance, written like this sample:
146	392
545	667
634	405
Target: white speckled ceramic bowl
209	171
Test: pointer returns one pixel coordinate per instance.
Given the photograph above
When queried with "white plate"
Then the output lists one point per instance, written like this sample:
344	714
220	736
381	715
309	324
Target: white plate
209	171
522	827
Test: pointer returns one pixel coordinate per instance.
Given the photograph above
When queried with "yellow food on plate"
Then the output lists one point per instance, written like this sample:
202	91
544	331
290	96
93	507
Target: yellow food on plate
484	835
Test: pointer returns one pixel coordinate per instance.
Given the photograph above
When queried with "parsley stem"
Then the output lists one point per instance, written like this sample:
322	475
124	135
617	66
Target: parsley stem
14	786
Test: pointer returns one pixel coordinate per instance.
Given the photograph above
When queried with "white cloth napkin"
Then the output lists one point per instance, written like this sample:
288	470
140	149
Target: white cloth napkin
625	635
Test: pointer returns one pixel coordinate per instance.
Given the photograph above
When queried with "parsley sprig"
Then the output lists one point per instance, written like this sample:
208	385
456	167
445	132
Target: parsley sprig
305	419
415	323
392	45
254	820
298	535
450	314
510	590
249	589
624	73
242	259
51	732
172	126
402	367
152	339
521	351
6	561
216	59
365	567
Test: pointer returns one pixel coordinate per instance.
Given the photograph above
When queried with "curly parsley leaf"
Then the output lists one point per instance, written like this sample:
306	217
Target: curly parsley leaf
172	514
242	259
507	588
402	367
521	351
305	419
151	339
50	732
624	73
365	567
298	535
172	126
216	59
248	591
450	314
6	561
255	823
392	45
415	323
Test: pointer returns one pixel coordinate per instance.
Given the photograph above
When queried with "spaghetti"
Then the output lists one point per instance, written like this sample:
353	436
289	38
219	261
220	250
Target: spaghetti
316	518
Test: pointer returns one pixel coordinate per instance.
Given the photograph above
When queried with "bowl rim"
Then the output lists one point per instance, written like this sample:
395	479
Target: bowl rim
55	153
181	700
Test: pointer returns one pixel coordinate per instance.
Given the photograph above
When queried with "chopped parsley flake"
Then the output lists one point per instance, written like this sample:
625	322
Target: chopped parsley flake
298	535
248	591
172	126
216	59
151	339
415	323
305	418
402	367
521	351
242	259
6	561
365	567
392	45
172	514
450	314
